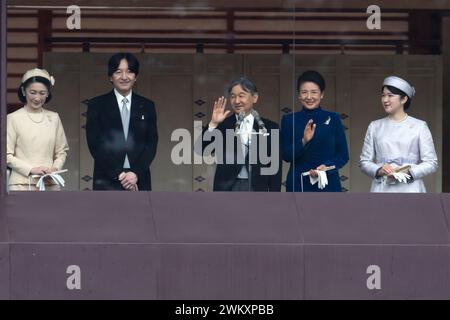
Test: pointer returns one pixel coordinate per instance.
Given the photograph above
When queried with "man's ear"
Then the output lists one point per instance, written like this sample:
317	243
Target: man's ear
255	98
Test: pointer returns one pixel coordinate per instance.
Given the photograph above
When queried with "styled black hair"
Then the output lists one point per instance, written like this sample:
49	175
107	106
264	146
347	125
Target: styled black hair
114	62
402	94
29	82
246	85
311	76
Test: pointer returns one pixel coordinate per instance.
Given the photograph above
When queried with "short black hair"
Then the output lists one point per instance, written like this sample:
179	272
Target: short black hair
114	62
311	76
246	85
29	82
401	93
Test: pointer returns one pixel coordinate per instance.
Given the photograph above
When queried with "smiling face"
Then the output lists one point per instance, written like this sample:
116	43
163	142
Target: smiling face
392	103
310	95
123	78
36	94
242	100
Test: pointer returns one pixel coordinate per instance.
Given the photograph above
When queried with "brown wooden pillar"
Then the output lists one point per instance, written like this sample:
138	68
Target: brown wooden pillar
424	32
230	30
3	93
446	104
45	30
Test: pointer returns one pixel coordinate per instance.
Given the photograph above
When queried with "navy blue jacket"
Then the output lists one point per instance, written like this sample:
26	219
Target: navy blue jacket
328	147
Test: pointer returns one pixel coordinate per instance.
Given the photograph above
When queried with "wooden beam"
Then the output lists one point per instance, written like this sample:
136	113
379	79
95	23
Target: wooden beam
231	31
140	40
243	4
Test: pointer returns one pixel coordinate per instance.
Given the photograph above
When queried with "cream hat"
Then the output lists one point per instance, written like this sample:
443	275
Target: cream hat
38	73
400	84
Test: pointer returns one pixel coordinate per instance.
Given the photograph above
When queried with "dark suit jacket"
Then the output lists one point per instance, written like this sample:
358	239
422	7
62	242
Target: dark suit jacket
226	174
107	144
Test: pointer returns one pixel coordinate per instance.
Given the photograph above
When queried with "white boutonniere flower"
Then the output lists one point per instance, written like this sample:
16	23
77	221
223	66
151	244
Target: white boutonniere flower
328	121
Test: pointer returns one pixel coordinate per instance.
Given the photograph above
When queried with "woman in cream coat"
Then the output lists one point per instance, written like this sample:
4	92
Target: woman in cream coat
36	142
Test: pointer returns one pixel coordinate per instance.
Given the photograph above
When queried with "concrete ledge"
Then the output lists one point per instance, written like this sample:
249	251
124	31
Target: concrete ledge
224	246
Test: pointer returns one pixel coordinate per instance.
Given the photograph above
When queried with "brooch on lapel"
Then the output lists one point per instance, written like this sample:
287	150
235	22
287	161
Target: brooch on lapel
328	121
142	107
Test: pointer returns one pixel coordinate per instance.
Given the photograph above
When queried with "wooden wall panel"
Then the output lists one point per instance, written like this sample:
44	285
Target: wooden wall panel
366	78
168	81
93	82
66	102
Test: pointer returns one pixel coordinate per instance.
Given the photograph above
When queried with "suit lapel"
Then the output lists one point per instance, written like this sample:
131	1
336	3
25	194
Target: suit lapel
114	113
255	125
134	135
230	122
136	113
134	109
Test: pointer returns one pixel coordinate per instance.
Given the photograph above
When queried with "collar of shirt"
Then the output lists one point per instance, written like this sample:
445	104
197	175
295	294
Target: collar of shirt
250	118
312	112
120	97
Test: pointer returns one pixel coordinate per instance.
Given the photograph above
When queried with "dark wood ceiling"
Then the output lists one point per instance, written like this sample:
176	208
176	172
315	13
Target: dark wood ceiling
281	4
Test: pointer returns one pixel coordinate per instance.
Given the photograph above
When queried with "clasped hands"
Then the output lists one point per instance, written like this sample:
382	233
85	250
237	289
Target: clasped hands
42	171
319	176
313	173
129	180
389	172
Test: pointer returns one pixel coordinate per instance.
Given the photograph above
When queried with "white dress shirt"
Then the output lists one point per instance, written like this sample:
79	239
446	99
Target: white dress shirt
245	133
245	129
120	97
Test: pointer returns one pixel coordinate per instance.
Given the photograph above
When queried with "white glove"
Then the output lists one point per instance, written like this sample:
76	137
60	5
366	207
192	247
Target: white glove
54	176
321	179
401	176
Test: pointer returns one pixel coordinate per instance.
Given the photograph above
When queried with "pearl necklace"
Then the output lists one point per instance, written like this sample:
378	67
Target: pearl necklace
29	116
401	120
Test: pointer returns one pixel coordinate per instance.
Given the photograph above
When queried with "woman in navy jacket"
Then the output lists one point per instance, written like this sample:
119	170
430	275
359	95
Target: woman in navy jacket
313	139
